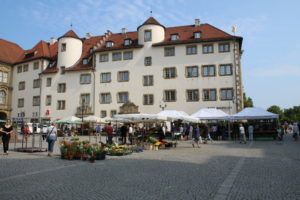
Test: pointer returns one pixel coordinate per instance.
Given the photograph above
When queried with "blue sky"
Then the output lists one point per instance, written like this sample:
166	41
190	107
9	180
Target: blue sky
271	32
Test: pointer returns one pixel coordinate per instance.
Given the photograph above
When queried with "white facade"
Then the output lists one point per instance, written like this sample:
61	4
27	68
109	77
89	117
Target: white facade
72	55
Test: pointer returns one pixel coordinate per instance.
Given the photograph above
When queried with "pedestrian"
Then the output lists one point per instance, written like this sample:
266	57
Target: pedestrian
124	131
205	133
181	132
196	136
295	131
220	132
186	132
44	132
285	126
214	130
190	132
6	132
130	134
290	128
250	132
109	133
51	138
242	134
208	135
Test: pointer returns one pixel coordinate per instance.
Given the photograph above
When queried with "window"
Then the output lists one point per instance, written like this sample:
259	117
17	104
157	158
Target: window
122	97
61	105
208	70
103	114
191	50
36	101
170	51
148	99
85	61
103	58
48	100
148	35
127	42
63	47
105	98
3	77
170	96
148	80
209	95
36	83
192	95
148	61
117	56
36	65
20	69
105	77
112	113
62	69
169	73
85	79
61	88
29	55
174	37
209	48
192	71
227	94
109	44
25	68
197	35
20	103
127	55
22	85
2	97
225	69
85	99
123	76
48	83
224	47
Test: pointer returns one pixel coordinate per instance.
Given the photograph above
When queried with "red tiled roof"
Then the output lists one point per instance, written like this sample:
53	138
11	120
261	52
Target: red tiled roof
151	21
49	70
70	33
9	51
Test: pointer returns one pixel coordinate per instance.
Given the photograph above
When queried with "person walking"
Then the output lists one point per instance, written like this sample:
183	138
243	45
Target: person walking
242	134
51	138
109	133
6	131
196	136
130	134
295	131
181	130
250	132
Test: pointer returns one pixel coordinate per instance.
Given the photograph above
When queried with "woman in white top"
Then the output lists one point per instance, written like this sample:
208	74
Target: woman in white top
242	134
51	138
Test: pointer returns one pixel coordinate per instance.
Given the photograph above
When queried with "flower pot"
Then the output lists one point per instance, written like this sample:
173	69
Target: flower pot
101	157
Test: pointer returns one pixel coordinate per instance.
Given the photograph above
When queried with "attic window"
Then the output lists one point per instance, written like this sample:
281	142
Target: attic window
109	44
174	37
29	55
127	42
85	61
197	35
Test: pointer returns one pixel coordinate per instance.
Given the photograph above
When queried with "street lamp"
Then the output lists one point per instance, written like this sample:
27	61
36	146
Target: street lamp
82	107
162	105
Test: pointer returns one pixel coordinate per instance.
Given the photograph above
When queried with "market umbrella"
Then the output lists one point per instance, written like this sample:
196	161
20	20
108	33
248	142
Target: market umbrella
210	114
93	118
140	117
178	115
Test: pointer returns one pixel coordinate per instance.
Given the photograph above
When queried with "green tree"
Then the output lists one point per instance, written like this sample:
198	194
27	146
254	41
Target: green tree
277	110
248	102
292	114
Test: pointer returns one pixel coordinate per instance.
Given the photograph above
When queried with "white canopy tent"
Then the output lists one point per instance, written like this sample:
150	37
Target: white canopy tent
177	115
140	117
254	113
93	118
210	114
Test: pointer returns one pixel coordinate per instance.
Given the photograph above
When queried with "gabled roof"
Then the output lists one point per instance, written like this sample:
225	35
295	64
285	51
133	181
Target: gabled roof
151	21
71	34
9	51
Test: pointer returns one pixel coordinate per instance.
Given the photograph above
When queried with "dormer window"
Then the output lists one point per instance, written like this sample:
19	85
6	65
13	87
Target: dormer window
109	44
29	55
127	42
85	61
174	37
197	35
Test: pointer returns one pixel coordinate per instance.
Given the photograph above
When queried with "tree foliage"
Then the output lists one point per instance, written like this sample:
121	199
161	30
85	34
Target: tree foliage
248	102
289	114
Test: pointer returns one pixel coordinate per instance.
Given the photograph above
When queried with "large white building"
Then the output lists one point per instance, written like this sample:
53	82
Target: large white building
184	68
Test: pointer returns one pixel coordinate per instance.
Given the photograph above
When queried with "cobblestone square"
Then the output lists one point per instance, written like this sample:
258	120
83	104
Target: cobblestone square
218	170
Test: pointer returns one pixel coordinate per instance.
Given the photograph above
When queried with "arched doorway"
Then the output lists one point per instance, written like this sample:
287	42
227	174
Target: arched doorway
3	115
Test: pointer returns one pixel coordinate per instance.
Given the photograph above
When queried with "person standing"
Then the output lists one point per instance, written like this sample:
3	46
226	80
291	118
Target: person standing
190	132
181	132
250	132
130	134
6	131
51	138
196	136
124	131
109	133
242	134
295	131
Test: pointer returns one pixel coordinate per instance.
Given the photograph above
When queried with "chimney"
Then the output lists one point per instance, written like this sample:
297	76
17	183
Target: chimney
52	40
197	22
88	35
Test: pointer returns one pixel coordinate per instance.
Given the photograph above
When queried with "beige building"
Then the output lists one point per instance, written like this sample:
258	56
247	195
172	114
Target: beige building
181	68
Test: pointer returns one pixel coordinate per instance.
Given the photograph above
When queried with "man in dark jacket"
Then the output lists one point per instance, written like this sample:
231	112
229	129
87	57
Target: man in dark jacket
124	131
